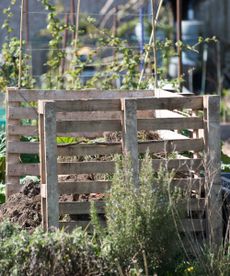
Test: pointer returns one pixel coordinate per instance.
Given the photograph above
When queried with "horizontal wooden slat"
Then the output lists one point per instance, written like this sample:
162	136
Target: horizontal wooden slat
23	169
191	102
92	126
86	167
188	184
84	207
22	130
69	226
171	145
22	113
186	225
23	147
22	95
142	124
87	187
84	187
142	104
192	225
170	123
89	149
194	204
88	105
33	131
179	165
78	208
109	148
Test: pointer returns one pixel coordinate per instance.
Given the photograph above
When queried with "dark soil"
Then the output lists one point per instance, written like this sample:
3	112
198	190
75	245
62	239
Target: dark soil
23	208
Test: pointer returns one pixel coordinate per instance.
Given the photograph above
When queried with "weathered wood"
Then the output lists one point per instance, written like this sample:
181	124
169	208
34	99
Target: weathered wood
51	178
92	126
192	225
69	226
89	149
78	208
170	123
23	169
84	187
88	105
193	102
86	167
23	95
23	147
42	170
186	225
22	113
12	159
22	130
168	146
129	133
178	165
188	184
213	168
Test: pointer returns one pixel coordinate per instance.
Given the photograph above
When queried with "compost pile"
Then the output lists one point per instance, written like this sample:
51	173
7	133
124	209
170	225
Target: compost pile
23	208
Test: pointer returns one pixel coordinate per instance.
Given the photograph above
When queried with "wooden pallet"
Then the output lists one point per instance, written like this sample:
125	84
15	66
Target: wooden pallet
22	118
202	118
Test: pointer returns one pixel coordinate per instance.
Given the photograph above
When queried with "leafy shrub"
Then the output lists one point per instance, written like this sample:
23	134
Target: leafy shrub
55	253
140	227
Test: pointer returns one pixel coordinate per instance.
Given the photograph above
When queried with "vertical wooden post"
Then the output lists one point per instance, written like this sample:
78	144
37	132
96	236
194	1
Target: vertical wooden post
48	149
42	163
12	182
213	169
129	135
179	39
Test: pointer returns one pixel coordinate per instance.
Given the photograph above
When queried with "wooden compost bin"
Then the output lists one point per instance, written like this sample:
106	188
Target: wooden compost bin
22	123
199	174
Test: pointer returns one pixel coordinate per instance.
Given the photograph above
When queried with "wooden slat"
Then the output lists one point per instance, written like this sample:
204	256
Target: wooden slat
170	123
23	169
33	131
22	95
69	226
129	132
188	184
23	147
172	145
213	169
88	105
194	204
23	113
50	159
86	167
84	187
179	165
78	208
192	225
23	130
89	149
31	113
186	225
92	126
192	102
84	207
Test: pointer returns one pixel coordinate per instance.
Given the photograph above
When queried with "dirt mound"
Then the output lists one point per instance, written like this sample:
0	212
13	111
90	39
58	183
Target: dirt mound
23	208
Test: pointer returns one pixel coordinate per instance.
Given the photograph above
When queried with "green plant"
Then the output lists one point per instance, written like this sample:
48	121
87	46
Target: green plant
141	230
54	253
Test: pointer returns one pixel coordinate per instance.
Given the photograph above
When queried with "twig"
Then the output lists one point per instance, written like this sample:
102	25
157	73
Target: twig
20	45
150	42
77	22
